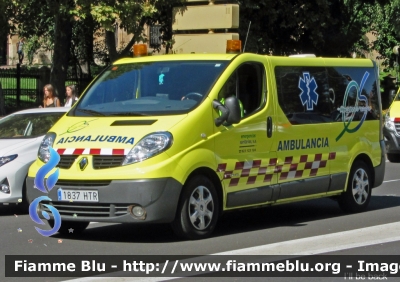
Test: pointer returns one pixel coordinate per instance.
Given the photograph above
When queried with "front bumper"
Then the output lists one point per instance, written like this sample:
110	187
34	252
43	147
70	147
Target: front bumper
159	198
379	170
392	141
13	174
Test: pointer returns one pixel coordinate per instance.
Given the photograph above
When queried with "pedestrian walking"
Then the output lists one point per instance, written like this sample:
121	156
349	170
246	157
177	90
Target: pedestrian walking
50	99
71	94
20	49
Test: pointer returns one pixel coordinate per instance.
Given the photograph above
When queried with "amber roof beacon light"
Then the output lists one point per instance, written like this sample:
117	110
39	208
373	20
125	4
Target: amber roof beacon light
233	46
139	50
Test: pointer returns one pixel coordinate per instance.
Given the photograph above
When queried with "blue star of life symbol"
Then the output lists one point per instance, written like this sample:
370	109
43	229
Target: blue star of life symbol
161	79
308	96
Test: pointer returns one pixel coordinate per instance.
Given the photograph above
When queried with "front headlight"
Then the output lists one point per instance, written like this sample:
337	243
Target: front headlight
44	151
7	159
149	146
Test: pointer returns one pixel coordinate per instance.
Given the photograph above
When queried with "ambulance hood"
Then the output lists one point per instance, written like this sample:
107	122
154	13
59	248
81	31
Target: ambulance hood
109	132
395	109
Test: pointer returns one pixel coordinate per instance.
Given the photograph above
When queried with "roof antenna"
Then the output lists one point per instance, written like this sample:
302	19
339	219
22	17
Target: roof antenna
248	30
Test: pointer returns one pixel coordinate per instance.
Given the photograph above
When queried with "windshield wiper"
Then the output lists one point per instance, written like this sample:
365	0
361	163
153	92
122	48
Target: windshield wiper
129	114
95	113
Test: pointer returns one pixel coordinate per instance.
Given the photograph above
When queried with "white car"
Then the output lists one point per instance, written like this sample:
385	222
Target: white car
20	136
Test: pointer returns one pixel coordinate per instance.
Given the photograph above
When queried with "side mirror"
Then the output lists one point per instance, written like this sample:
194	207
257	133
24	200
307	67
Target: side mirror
230	111
233	105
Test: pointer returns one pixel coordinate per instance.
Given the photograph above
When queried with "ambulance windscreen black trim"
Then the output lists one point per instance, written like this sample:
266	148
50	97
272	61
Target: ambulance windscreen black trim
133	122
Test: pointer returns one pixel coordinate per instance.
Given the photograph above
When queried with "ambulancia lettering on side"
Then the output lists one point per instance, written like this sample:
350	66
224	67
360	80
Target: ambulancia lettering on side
182	139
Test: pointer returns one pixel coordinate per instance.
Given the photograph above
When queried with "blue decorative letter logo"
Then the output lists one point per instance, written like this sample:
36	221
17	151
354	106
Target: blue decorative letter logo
361	105
308	96
35	217
39	183
52	179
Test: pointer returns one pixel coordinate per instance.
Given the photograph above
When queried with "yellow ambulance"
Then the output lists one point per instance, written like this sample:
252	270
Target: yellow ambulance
391	130
182	139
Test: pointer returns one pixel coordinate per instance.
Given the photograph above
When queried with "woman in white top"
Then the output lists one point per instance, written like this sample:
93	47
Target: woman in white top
71	95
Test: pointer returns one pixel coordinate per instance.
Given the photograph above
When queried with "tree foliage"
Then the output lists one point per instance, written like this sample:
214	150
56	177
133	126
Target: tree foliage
385	26
325	28
69	26
5	16
131	16
280	28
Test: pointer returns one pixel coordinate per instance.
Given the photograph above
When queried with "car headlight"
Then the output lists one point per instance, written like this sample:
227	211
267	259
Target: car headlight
7	159
47	142
149	146
389	123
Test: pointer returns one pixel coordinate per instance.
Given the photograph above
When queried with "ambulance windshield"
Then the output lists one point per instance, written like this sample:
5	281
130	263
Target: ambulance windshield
154	88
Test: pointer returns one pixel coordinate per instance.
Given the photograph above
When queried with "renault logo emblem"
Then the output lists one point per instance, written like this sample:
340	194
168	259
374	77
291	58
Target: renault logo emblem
83	163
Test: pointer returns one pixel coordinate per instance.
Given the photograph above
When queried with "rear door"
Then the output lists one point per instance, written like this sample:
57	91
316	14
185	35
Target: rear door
303	137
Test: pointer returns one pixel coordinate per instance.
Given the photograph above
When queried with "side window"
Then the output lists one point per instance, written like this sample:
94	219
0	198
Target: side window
327	94
351	101
40	124
304	94
246	83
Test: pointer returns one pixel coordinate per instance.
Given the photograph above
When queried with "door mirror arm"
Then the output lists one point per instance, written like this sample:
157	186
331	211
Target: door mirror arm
223	110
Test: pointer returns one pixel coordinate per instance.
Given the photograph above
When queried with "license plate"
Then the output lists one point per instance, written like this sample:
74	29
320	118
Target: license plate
78	195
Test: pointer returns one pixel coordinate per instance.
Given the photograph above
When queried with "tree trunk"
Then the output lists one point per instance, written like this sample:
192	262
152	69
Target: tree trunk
127	51
62	43
111	46
89	31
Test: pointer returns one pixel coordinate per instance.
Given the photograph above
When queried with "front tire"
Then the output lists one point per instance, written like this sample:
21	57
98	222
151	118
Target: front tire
358	193
198	209
393	158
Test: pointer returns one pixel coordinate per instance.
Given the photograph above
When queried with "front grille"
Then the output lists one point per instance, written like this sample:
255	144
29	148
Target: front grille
101	162
83	183
66	161
98	210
